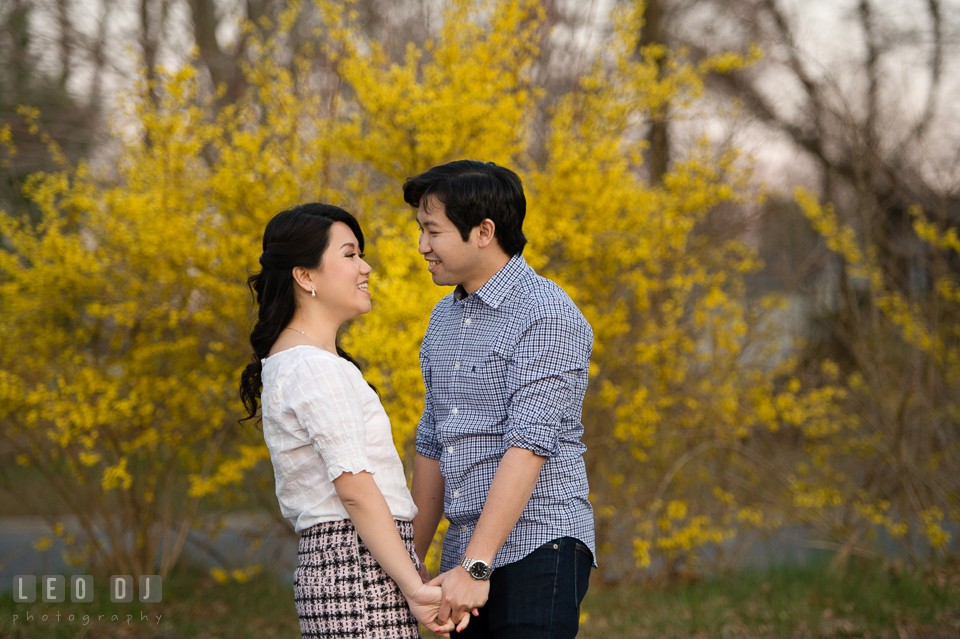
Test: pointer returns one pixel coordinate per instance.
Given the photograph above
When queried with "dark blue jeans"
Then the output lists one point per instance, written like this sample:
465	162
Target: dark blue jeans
537	597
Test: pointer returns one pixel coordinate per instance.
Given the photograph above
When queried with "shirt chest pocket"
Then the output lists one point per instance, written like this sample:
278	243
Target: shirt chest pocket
483	380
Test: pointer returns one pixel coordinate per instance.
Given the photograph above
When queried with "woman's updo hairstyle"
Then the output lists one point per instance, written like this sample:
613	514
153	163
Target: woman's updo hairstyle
295	237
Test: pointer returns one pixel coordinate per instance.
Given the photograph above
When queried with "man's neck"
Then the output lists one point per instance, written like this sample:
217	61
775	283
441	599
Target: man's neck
488	271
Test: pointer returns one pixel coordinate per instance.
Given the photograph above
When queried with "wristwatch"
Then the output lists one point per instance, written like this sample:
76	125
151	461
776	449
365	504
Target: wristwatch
477	569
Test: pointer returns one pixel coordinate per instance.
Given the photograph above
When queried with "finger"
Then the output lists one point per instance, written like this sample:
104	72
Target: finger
446	627
436	581
443	629
444	613
464	621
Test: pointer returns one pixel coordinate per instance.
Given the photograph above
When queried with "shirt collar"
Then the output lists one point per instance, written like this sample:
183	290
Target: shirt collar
495	290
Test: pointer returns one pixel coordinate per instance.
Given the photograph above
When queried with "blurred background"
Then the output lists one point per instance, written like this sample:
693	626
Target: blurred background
754	202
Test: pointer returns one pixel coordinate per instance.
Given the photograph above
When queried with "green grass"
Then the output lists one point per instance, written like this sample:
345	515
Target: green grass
788	601
194	605
868	601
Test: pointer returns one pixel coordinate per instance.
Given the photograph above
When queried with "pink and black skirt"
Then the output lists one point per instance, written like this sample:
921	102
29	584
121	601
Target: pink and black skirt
341	590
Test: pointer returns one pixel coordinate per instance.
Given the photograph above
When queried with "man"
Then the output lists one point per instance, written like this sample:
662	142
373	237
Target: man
505	363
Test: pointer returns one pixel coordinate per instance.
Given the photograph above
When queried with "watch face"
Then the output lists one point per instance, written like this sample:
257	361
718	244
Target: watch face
478	569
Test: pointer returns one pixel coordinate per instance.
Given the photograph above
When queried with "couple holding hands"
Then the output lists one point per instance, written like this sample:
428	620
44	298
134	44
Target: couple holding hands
505	363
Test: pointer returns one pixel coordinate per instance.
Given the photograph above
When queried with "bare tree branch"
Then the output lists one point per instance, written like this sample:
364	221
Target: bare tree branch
66	41
936	74
97	54
873	77
811	88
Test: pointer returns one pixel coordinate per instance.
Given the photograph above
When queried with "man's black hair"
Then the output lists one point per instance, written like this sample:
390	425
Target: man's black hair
471	192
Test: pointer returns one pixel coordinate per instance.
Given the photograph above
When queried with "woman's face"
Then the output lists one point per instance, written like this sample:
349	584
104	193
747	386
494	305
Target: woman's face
342	277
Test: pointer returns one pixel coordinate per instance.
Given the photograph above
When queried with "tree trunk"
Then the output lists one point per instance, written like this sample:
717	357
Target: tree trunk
658	137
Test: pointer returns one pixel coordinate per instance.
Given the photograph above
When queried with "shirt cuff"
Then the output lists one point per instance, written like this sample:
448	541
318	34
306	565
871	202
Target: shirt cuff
541	439
427	444
433	451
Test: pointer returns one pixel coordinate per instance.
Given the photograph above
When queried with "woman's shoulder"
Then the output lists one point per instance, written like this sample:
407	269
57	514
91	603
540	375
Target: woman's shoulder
299	360
300	353
297	363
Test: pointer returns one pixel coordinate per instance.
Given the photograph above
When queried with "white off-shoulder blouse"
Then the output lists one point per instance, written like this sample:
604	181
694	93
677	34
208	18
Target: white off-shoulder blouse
321	419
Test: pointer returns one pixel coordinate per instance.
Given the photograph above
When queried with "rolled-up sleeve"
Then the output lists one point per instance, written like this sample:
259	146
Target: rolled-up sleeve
545	379
327	408
427	443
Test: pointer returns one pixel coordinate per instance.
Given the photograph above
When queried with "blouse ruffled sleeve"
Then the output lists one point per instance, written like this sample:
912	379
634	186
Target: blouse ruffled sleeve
329	410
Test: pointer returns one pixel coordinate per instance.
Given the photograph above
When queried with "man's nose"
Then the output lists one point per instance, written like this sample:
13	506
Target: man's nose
423	244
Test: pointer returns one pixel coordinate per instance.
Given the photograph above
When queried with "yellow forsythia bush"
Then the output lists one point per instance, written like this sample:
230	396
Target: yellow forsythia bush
894	463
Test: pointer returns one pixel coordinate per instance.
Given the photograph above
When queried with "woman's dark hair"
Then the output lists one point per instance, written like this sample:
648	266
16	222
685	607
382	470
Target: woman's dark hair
471	192
295	237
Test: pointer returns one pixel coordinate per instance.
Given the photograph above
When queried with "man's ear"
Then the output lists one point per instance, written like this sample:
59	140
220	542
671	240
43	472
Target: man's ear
487	230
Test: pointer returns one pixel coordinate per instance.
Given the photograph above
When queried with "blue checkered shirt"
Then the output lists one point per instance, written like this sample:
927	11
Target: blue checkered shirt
507	366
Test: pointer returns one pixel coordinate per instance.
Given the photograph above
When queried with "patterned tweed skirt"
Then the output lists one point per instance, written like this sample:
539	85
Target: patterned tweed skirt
341	591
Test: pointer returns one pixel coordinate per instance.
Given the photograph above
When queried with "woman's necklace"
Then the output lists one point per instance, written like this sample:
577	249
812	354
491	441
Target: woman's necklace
310	336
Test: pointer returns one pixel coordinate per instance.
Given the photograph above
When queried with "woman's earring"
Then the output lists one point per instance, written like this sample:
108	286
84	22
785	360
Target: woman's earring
313	291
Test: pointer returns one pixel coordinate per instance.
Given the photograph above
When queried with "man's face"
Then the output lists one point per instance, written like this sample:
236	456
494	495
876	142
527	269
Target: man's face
450	260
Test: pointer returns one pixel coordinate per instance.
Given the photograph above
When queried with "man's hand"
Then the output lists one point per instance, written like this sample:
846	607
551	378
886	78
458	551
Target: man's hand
424	603
462	596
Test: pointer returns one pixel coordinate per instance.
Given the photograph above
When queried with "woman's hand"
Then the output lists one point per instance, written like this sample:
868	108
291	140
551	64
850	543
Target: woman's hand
424	603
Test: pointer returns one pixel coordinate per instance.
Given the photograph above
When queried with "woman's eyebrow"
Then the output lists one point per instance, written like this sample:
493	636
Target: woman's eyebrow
350	244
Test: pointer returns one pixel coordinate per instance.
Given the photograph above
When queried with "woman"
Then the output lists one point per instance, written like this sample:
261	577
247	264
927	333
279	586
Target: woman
338	475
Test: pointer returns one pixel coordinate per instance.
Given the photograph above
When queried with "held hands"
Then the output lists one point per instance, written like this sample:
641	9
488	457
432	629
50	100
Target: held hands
424	603
462	596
